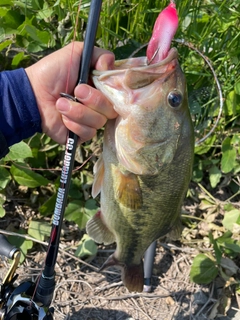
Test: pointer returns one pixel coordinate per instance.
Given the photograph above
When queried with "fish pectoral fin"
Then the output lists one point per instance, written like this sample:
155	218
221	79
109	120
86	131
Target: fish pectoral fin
98	231
128	191
98	171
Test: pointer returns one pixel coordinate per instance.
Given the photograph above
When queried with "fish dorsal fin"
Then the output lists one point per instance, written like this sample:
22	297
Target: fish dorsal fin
128	191
98	171
98	231
136	79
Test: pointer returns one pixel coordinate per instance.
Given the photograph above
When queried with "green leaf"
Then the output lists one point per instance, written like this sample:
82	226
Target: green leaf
235	247
87	248
5	177
39	230
75	189
42	37
2	36
21	243
74	213
6	2
214	176
197	174
228	207
4	44
236	140
232	103
2	210
225	237
216	246
203	270
47	207
17	59
228	244
34	47
45	13
3	12
237	88
206	145
12	19
27	177
229	155
90	207
79	214
230	218
18	151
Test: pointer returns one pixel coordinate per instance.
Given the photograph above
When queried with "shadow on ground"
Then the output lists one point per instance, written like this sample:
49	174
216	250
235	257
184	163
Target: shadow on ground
99	314
111	314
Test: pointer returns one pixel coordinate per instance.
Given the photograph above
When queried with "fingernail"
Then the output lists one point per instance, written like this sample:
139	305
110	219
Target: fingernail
83	92
63	105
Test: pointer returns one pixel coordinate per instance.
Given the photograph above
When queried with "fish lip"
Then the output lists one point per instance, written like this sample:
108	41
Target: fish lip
122	65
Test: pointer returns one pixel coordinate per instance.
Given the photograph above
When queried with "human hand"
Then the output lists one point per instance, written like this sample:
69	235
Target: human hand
48	78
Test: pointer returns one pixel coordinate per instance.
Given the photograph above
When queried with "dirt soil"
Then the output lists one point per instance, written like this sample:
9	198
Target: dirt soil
84	293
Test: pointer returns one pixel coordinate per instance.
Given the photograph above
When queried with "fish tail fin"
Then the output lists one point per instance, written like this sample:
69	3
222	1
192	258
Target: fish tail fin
132	275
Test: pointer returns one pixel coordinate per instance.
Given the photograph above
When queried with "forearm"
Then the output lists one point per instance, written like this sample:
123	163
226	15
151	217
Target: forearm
19	115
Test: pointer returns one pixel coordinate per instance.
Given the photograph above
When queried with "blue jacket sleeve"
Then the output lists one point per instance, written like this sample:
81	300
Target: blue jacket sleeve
19	115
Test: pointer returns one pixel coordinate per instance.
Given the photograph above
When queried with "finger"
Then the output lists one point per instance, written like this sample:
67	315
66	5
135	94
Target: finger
80	114
84	132
102	59
95	100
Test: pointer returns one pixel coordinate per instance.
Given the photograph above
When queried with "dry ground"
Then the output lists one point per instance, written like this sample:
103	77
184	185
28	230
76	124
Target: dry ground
83	293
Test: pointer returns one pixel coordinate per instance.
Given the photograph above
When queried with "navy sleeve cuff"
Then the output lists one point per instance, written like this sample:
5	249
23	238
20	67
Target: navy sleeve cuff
19	115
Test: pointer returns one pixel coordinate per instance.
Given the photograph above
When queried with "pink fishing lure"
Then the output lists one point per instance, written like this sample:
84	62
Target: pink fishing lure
163	32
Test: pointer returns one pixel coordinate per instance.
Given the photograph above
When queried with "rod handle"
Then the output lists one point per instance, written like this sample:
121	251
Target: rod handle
7	249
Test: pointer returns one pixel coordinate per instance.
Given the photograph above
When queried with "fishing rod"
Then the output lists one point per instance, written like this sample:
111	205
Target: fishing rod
31	301
45	287
148	266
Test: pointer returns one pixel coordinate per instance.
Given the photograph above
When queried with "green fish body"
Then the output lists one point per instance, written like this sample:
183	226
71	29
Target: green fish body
145	168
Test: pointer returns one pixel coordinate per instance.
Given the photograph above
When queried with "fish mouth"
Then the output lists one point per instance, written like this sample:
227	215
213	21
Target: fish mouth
137	64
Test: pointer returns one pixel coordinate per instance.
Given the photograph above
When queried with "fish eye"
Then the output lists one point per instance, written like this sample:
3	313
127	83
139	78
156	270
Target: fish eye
175	98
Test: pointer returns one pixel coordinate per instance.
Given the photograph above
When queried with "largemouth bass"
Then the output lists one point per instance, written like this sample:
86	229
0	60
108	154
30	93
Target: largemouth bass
146	164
